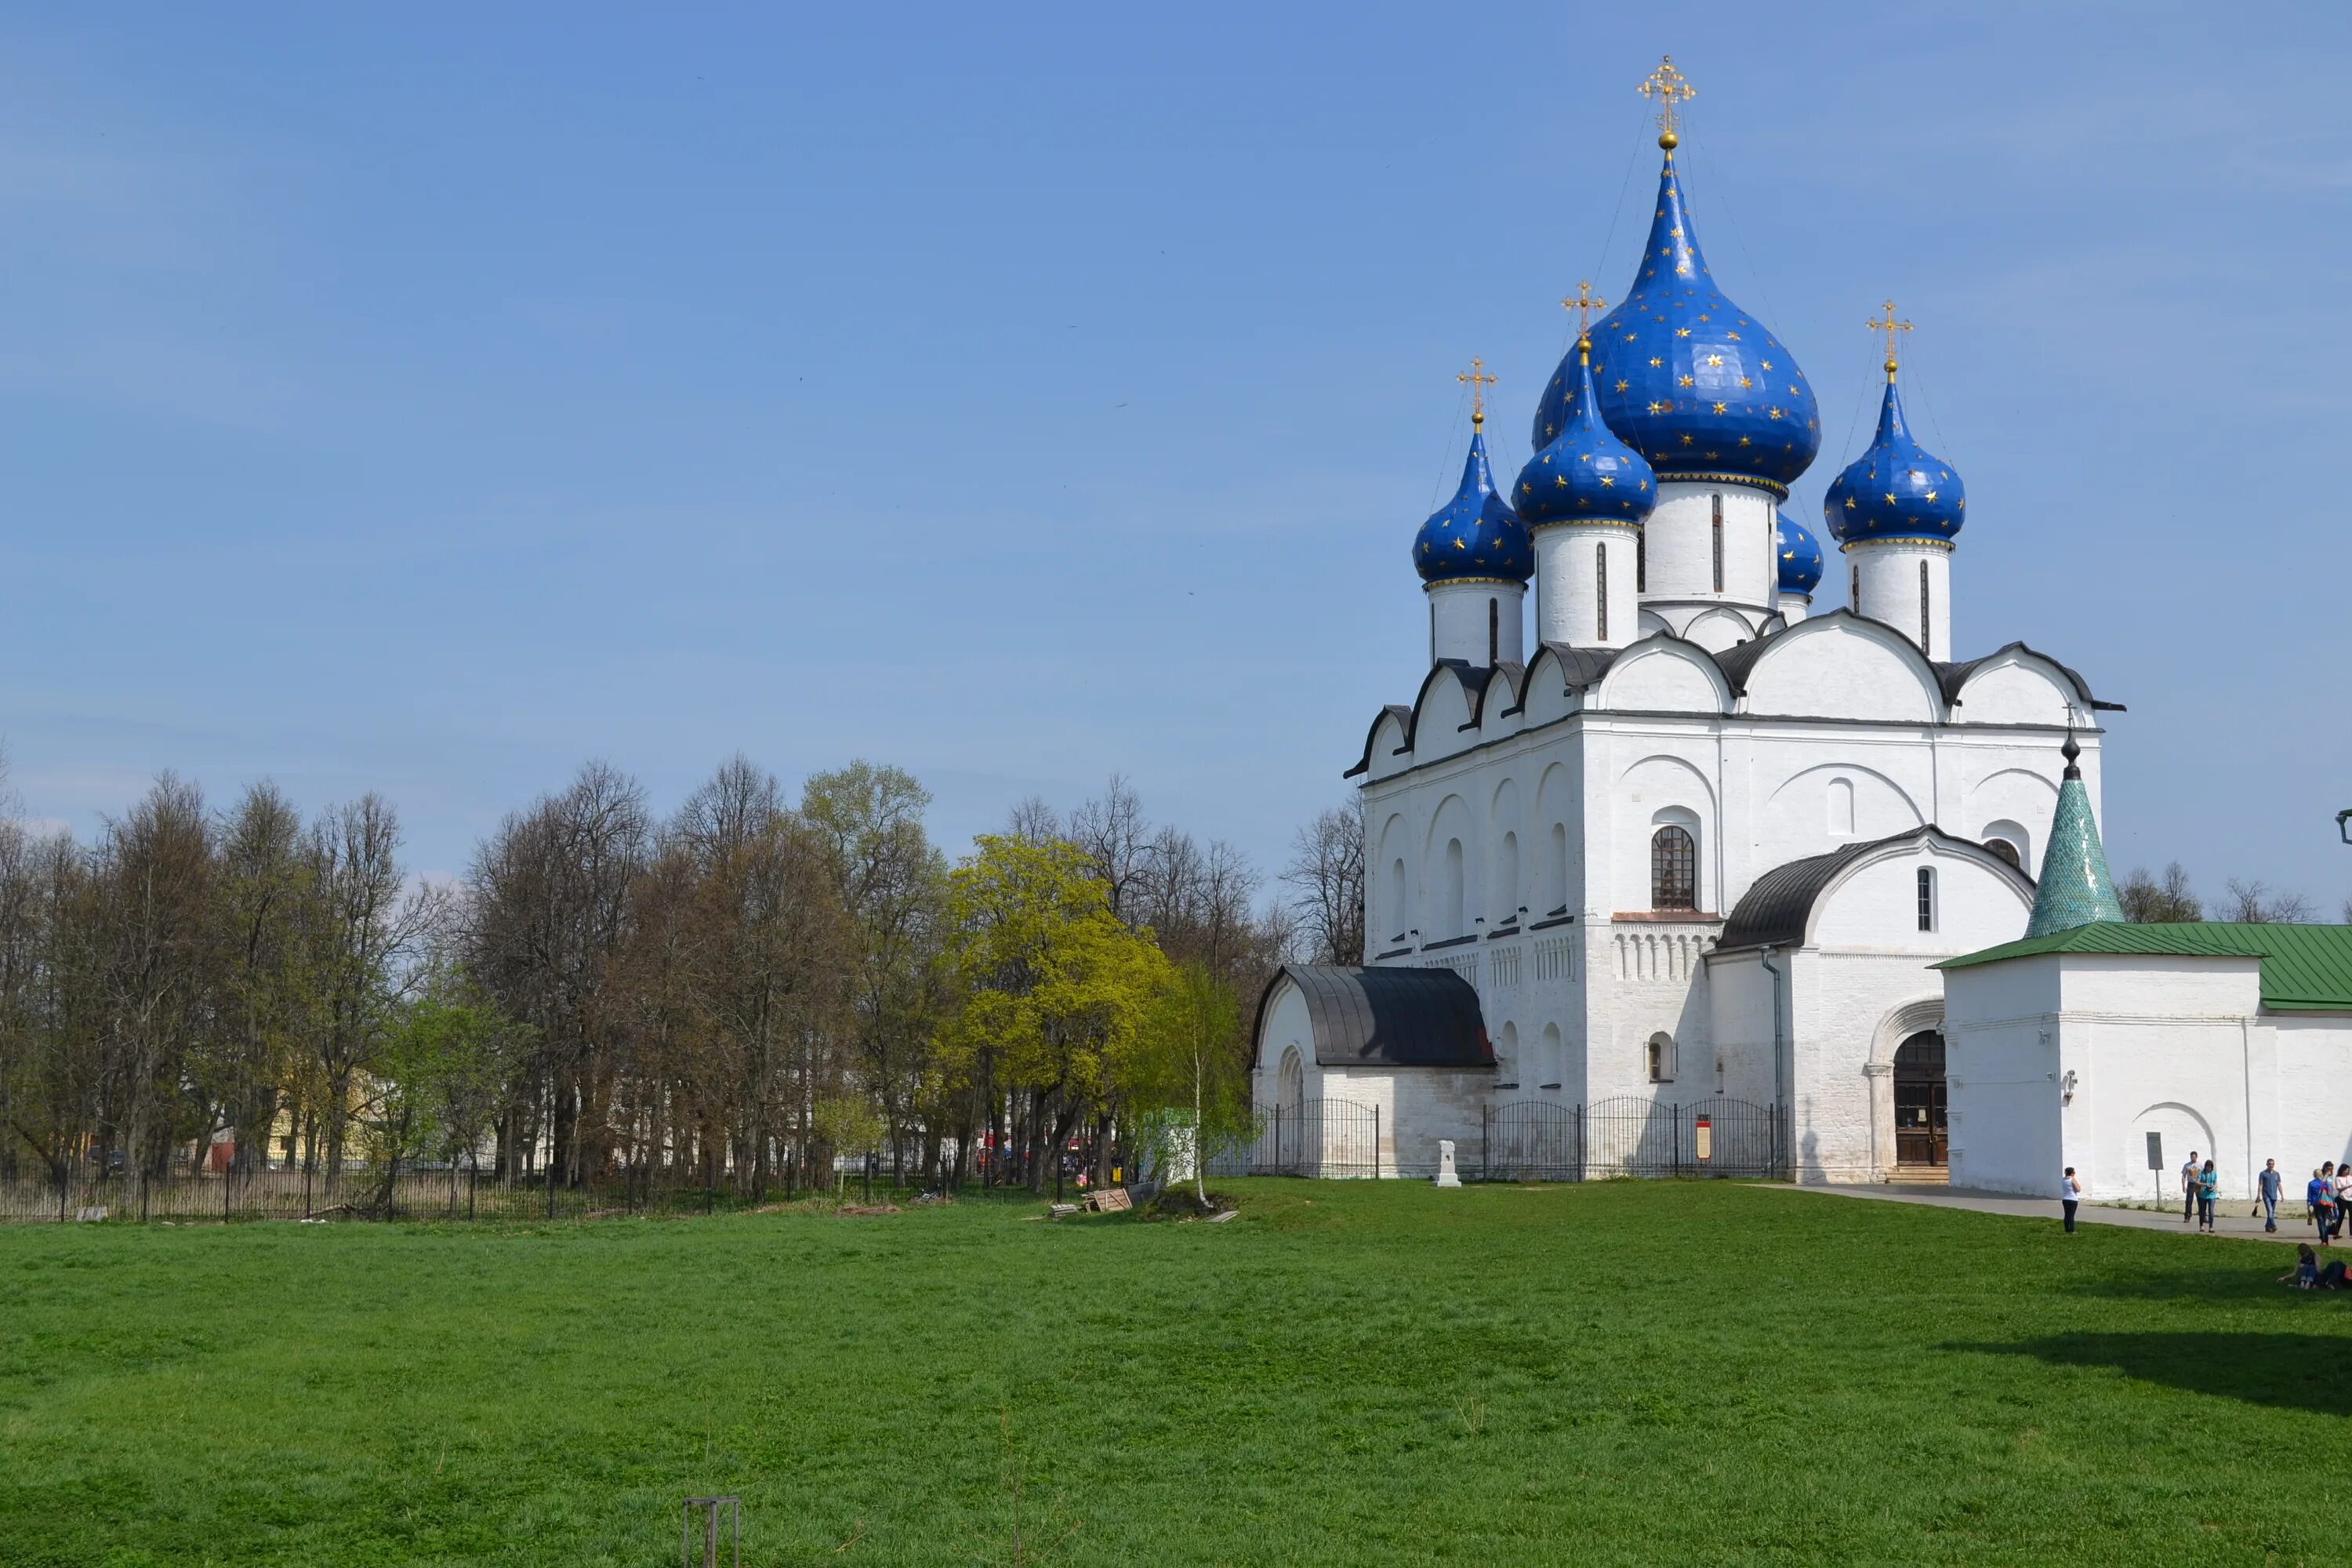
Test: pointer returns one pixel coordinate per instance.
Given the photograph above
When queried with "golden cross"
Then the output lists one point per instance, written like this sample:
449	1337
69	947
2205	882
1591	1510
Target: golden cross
1478	385
1890	326
1669	86
1584	302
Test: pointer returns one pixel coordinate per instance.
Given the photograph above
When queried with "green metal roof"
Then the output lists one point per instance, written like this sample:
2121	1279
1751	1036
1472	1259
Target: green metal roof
2305	969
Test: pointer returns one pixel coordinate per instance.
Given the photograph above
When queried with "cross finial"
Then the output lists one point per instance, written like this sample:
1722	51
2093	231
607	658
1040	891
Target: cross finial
1890	326
1670	87
1479	382
1584	301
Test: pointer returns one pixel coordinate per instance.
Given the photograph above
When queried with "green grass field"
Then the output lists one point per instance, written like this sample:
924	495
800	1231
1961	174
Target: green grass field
1349	1373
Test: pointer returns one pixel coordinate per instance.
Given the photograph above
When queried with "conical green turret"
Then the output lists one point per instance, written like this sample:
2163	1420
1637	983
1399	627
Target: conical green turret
2075	890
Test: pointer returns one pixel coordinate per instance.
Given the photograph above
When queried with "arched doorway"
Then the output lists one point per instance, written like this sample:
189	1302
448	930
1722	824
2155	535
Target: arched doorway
1919	1118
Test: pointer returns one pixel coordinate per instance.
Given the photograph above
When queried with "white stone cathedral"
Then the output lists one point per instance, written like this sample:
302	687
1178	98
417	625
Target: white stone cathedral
1701	846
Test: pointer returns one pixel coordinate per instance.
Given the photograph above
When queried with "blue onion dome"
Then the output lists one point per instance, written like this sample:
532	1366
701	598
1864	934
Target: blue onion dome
1586	473
1799	555
1897	489
1476	535
1690	380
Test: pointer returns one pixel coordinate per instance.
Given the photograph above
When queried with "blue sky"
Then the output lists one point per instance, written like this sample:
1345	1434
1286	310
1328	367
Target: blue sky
430	398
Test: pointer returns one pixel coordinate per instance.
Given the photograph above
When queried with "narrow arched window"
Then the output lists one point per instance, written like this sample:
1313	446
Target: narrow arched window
1923	610
1853	586
1456	921
1556	872
1601	580
1494	634
1507	879
1718	545
1927	897
1674	869
1640	559
1662	1058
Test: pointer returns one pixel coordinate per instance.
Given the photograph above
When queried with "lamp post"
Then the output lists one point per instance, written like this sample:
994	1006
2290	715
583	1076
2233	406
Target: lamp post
2344	824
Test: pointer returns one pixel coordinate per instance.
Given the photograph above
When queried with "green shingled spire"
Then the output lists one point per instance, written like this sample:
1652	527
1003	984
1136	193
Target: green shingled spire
2074	890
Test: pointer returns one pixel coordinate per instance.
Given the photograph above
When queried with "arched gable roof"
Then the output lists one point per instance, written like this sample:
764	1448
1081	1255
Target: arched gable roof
1695	654
1580	669
1383	1017
1403	717
1505	692
1955	676
1778	908
1738	662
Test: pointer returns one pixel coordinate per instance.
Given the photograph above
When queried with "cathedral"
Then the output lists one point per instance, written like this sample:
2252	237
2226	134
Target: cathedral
1696	844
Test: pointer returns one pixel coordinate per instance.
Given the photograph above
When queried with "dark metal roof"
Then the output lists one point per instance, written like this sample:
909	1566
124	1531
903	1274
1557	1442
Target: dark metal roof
1386	1016
1582	667
1954	676
1396	710
1778	905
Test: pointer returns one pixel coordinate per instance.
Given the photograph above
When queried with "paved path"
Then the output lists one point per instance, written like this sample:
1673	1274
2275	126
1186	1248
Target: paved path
2230	1218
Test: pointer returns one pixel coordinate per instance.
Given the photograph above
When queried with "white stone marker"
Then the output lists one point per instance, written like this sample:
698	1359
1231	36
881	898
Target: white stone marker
1445	1176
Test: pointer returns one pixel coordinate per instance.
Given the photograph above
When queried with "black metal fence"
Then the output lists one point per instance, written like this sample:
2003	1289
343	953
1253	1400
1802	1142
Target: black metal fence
1314	1138
425	1195
1543	1141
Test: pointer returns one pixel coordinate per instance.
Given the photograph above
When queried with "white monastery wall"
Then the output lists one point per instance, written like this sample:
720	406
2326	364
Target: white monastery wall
1895	576
2314	1124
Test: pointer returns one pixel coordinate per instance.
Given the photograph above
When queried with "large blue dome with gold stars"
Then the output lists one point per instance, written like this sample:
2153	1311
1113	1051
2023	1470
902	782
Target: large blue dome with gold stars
1585	474
1798	554
1897	489
1476	535
1691	381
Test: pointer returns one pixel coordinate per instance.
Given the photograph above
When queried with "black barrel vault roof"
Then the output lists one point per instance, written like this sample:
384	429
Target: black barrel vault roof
1386	1016
1779	904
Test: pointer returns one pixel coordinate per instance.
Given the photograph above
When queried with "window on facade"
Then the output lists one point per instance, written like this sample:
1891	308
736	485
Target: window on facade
1674	869
1923	612
1640	559
1294	1079
1661	1058
1601	594
1927	897
1397	900
1556	873
2006	851
1853	587
1718	545
1494	633
1551	1066
1507	879
1454	916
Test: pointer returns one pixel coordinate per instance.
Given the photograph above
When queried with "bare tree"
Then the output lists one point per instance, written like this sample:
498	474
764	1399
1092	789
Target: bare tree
2147	900
1325	879
2253	903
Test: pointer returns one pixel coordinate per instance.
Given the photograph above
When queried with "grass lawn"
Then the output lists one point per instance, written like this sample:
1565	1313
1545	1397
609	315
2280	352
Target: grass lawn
1350	1373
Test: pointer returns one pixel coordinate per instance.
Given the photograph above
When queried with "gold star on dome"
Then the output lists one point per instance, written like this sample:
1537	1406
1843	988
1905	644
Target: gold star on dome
1744	381
1684	381
1584	456
1849	504
1686	440
1890	497
1460	545
1623	384
1607	483
1657	408
1655	362
1931	495
1767	365
1733	336
1721	407
1681	332
1559	482
1743	441
1715	361
1774	413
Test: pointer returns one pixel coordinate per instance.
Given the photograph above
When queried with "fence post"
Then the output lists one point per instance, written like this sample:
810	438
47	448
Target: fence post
1678	1140
1277	1138
1580	1141
1376	1142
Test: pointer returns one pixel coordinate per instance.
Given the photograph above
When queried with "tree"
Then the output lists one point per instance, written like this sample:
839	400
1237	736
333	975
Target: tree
440	1075
1325	879
1190	1053
2253	903
1053	987
2146	901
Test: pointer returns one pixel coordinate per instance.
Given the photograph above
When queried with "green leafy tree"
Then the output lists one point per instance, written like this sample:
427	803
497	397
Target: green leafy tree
1052	985
1190	1054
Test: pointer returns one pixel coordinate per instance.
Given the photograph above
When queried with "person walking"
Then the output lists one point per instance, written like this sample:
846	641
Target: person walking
2070	1193
2343	1196
2322	1193
2209	1187
2268	1185
2189	1189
